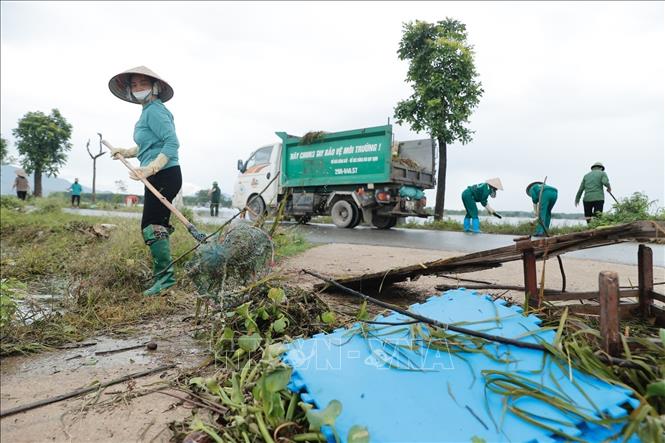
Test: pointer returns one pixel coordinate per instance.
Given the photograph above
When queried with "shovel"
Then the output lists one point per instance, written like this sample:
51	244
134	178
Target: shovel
200	237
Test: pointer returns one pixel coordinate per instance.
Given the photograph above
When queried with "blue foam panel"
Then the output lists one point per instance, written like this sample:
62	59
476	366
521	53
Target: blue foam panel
403	392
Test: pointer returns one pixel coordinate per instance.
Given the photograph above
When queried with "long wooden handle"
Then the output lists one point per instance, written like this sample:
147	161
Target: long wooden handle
152	189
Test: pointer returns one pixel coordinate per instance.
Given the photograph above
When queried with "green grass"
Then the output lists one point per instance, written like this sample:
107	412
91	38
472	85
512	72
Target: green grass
100	279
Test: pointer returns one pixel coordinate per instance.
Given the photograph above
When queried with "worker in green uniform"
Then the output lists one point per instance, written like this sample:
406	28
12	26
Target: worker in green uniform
478	194
594	194
543	202
215	195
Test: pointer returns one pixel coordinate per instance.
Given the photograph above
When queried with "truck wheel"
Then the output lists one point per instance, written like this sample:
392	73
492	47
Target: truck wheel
358	219
343	213
257	207
383	221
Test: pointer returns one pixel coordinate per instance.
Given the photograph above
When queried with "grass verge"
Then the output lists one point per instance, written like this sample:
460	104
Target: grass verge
66	277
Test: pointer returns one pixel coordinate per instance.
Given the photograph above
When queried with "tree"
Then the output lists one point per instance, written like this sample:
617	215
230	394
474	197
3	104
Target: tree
445	90
43	141
3	150
94	163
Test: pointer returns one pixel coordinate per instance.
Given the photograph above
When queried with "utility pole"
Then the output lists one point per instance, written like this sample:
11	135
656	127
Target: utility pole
94	164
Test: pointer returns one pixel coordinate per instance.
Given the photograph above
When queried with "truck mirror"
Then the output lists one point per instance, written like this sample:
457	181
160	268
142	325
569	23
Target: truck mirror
241	166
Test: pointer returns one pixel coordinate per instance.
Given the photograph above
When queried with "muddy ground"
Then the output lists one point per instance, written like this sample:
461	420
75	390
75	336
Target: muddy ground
120	414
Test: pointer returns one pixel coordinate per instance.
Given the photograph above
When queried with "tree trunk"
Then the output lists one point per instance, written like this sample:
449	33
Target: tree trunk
441	180
94	176
38	183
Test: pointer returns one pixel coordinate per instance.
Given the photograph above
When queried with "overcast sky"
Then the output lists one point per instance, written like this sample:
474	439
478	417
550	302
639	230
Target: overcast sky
566	84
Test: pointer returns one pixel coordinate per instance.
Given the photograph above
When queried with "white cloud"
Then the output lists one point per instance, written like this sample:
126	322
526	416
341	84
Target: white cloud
566	84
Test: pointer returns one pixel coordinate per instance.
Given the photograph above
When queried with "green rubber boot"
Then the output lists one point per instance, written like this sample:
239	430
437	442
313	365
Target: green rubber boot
157	238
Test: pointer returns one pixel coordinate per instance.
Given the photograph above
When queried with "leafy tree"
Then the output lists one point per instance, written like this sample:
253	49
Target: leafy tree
43	141
3	150
445	90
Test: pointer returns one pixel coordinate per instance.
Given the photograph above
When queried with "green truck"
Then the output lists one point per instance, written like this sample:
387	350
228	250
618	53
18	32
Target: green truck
353	176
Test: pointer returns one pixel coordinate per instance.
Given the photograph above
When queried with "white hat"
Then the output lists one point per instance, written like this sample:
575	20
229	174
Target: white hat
495	183
120	85
20	172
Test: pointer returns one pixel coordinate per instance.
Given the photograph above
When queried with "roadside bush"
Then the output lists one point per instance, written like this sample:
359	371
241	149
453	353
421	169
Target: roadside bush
630	209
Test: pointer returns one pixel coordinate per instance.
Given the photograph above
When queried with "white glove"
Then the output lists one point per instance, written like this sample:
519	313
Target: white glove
127	153
151	169
490	210
535	208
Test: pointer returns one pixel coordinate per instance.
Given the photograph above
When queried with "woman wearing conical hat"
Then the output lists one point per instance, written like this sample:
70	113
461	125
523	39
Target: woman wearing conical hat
21	184
478	194
157	150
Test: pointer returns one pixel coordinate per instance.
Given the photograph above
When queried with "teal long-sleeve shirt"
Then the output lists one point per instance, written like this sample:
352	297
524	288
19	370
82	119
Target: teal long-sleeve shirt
592	186
76	188
534	192
154	133
480	192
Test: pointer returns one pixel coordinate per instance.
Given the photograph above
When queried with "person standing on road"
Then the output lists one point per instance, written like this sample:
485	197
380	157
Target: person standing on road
76	189
478	194
157	150
215	195
594	194
543	197
21	184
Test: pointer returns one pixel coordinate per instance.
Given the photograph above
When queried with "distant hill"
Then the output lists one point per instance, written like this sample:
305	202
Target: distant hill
49	184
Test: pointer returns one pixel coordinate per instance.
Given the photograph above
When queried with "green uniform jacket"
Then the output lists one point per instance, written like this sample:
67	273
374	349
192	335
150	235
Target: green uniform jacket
216	195
592	186
480	193
548	192
154	133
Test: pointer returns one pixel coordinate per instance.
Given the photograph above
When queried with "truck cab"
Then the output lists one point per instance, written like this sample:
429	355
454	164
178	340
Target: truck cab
254	174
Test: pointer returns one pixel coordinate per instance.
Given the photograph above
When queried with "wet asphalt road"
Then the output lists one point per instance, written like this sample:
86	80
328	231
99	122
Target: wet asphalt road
623	253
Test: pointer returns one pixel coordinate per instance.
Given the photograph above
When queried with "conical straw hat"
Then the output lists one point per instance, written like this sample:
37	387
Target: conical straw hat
120	86
495	183
598	165
21	173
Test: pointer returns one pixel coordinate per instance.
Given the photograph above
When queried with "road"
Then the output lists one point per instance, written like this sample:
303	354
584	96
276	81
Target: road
623	253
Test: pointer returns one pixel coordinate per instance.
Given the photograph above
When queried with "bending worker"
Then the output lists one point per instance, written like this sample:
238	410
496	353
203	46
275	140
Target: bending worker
592	188
215	195
157	150
543	197
478	194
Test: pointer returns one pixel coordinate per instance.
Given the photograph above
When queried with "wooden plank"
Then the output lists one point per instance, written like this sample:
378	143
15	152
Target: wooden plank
608	288
496	257
625	310
657	296
645	279
568	296
530	278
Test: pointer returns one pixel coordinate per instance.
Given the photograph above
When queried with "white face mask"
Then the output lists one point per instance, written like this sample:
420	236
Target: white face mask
142	95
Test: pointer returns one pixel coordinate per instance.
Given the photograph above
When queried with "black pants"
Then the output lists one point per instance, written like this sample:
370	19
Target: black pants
21	194
77	199
591	209
168	182
214	209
